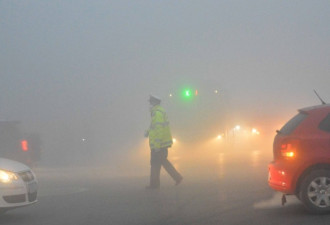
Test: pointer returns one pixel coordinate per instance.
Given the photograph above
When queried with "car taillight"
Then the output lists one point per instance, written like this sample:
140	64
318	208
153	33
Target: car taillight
25	145
289	149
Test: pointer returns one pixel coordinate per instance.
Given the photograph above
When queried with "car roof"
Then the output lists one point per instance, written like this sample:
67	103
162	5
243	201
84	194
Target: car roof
316	107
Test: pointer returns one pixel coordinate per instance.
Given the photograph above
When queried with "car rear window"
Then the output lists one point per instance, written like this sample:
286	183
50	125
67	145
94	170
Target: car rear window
325	123
290	126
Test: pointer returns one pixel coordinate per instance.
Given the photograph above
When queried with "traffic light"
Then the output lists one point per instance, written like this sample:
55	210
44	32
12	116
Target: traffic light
189	94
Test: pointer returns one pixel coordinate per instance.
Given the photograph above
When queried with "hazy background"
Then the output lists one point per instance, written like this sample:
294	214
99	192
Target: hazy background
84	69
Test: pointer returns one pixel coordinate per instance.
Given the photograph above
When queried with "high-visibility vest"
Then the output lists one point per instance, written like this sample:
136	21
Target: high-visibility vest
159	131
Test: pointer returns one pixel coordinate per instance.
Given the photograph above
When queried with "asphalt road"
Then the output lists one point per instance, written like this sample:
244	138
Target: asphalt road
233	190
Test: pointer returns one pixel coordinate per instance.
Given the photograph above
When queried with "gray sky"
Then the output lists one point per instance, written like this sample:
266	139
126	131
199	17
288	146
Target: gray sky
73	67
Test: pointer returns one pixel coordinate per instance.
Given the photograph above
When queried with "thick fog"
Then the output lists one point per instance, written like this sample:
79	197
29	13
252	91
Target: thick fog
79	73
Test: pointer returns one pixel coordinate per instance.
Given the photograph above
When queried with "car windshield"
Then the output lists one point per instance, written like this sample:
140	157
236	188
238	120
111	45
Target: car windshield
290	126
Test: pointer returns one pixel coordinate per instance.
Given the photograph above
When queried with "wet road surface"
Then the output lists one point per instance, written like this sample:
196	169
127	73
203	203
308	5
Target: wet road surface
230	188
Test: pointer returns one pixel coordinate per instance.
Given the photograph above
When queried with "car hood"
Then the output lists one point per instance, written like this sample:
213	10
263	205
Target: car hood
13	166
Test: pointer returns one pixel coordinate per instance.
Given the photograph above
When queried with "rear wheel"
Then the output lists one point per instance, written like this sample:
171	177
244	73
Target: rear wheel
315	191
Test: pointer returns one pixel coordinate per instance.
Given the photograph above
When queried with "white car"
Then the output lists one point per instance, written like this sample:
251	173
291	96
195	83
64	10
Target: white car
18	185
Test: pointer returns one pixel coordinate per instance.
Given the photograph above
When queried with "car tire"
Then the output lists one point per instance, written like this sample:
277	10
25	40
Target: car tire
315	191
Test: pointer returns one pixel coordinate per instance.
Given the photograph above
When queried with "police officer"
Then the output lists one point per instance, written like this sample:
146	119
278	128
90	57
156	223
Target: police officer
160	139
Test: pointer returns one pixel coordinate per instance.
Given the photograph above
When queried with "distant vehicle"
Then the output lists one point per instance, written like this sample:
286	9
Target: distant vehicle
301	164
18	185
17	145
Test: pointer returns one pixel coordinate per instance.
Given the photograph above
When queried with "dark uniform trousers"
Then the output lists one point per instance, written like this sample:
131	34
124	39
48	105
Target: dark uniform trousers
158	159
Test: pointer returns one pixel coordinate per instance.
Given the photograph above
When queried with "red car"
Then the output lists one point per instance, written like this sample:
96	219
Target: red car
301	164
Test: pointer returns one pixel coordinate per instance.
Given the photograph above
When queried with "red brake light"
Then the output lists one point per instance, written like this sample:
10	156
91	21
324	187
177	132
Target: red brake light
25	145
289	149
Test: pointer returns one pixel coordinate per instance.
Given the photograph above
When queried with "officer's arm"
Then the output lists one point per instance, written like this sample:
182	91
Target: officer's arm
157	121
156	126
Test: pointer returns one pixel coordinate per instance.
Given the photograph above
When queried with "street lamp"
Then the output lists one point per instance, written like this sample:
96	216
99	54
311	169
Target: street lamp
238	127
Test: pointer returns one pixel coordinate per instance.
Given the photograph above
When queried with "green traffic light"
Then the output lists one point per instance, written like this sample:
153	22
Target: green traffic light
187	94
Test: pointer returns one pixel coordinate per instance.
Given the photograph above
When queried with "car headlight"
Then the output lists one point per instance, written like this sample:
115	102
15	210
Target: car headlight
7	177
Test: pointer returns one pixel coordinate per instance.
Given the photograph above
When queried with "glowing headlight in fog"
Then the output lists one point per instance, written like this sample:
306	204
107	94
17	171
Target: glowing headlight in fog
255	131
238	127
7	177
